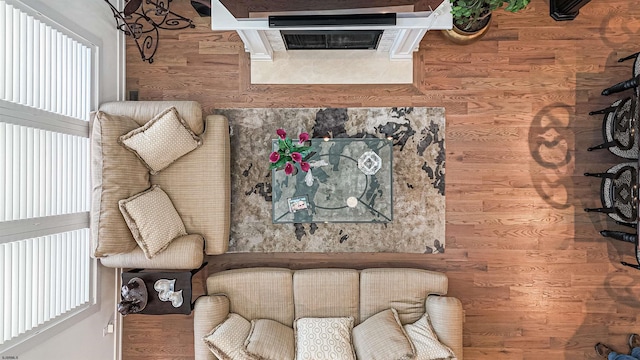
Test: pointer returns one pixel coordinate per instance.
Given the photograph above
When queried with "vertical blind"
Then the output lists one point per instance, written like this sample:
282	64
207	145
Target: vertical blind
43	173
43	278
41	67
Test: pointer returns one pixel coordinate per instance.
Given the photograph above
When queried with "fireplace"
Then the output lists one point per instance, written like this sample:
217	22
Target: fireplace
331	39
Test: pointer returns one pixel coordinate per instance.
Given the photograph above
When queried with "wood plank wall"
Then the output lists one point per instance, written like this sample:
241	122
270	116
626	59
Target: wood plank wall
536	279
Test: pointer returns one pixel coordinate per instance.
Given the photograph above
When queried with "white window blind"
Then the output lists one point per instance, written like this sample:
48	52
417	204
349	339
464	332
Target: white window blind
46	91
43	278
42	67
42	173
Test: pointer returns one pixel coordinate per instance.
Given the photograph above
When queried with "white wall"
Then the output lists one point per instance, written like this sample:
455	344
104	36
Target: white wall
93	19
83	340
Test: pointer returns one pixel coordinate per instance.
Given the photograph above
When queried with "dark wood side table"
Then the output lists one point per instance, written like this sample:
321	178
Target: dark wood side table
154	305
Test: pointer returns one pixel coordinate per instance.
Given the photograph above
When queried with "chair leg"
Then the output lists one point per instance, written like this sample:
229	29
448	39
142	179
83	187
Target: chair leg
631	225
630	265
632	56
202	7
603	111
602	146
621	86
601	175
620	235
601	210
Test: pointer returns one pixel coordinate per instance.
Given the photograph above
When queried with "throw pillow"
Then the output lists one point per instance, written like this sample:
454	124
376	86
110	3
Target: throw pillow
270	340
161	141
324	338
226	340
426	342
381	337
152	219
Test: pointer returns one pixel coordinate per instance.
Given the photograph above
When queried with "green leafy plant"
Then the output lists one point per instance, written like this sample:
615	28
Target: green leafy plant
472	15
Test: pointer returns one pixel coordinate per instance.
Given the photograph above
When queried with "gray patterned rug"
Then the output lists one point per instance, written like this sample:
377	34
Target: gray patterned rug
418	180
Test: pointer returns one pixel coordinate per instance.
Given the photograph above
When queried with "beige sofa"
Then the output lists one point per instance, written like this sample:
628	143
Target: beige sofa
198	184
284	295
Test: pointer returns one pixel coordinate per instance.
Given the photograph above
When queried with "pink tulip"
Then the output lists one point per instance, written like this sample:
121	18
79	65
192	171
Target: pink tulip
295	156
303	137
281	133
288	169
274	157
304	166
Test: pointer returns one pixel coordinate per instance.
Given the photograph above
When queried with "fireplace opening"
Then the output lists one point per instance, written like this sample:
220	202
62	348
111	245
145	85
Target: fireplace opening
331	39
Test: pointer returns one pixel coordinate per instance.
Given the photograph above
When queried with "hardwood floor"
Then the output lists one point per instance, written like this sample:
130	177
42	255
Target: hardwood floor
536	279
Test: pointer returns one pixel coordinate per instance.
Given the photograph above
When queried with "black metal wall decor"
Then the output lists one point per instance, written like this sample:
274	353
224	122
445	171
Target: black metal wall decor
141	20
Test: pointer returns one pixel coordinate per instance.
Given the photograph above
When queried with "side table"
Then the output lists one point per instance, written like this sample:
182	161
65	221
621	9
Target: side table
154	305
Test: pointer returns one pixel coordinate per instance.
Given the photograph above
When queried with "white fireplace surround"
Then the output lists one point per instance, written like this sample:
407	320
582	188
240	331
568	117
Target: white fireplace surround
394	55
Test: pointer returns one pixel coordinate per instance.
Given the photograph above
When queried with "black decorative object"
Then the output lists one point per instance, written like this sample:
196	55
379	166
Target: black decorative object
134	297
141	20
562	10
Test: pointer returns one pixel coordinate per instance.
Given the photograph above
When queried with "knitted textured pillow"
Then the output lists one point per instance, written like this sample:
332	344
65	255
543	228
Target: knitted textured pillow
152	219
161	141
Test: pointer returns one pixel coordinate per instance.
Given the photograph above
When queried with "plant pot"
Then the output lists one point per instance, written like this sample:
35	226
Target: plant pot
462	37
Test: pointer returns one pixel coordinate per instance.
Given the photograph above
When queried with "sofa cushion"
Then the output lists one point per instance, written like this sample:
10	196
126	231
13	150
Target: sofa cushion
425	341
152	219
270	340
200	186
226	341
324	338
115	174
256	293
326	293
381	337
405	290
162	140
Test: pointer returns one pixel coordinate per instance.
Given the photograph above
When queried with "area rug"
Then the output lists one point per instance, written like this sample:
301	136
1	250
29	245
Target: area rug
418	180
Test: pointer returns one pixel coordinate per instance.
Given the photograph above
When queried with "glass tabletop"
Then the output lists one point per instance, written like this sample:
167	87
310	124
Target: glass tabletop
352	182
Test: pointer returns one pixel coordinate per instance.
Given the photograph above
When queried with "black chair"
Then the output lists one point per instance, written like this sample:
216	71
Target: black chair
619	192
626	237
619	128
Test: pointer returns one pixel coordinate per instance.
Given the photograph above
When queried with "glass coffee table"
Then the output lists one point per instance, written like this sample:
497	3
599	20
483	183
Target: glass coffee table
355	185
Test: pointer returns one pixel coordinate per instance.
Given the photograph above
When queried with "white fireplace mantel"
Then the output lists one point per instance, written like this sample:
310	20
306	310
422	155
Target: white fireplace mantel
397	44
412	27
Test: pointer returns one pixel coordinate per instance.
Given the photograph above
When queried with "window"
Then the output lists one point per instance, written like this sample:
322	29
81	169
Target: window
46	93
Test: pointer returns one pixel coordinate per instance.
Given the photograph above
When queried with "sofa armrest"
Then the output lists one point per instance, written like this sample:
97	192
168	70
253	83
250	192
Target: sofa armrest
184	252
208	313
447	318
143	111
217	130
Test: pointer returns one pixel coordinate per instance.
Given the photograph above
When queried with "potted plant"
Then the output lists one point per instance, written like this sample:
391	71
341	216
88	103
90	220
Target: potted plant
471	18
288	153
